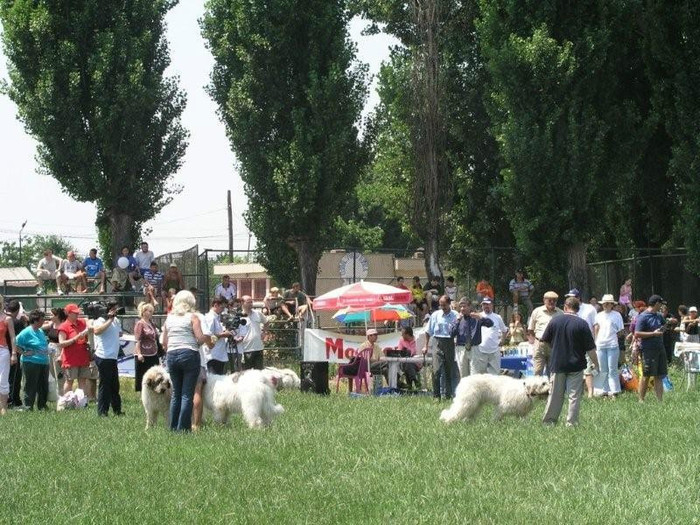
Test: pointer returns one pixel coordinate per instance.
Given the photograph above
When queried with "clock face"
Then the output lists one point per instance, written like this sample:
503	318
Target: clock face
361	267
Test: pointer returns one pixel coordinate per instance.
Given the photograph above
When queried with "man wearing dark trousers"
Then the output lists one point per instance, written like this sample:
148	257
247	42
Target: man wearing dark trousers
571	340
107	332
441	326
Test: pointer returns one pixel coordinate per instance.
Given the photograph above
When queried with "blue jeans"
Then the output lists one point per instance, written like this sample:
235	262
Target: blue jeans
183	366
608	379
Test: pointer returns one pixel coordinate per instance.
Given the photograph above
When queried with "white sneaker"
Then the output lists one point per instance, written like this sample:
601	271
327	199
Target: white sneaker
39	291
60	292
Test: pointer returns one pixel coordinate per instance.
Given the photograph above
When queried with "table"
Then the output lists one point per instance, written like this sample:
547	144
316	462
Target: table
394	362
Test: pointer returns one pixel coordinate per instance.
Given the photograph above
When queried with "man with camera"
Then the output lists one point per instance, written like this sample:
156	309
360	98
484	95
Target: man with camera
252	343
107	330
217	357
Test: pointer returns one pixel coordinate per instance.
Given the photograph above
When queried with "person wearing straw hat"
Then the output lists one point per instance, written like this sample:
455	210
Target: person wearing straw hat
606	330
540	318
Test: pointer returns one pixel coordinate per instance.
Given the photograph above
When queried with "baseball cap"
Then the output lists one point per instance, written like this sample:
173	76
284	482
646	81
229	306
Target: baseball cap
573	293
551	295
71	309
486	300
371	331
654	299
173	265
693	309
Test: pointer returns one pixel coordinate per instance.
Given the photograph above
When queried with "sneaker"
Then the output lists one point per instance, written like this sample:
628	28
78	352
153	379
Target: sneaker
39	291
60	292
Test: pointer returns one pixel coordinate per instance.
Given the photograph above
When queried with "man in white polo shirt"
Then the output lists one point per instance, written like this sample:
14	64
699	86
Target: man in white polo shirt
486	357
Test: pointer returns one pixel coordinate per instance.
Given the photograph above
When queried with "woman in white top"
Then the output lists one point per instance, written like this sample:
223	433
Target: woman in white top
608	325
182	337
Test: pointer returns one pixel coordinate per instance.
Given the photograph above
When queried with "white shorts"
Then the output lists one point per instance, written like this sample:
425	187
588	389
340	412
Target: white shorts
4	371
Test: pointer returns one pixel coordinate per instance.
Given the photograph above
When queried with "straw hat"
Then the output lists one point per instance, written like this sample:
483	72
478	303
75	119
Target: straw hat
608	298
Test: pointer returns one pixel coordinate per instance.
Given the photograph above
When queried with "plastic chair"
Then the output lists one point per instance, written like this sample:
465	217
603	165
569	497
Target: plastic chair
363	373
691	364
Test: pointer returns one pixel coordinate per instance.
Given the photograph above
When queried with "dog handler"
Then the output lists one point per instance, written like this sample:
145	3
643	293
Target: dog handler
571	340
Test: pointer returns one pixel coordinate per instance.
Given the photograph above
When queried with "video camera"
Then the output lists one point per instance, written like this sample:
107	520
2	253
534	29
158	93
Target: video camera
97	309
232	321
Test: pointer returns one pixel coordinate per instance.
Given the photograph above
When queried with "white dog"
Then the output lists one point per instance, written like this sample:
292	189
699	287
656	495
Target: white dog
507	394
156	391
250	393
283	378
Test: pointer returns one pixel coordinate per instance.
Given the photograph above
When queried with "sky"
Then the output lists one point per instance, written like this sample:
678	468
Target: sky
197	216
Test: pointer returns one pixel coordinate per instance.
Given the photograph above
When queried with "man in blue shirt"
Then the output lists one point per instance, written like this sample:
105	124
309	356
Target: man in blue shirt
649	329
34	348
468	334
94	269
441	326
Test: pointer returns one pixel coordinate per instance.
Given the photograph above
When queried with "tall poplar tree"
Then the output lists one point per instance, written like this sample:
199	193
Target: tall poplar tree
87	77
290	93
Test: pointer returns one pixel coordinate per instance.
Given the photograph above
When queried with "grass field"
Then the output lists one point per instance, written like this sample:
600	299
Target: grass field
371	460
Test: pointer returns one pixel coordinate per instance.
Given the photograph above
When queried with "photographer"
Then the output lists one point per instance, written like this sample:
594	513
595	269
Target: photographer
107	330
217	357
252	344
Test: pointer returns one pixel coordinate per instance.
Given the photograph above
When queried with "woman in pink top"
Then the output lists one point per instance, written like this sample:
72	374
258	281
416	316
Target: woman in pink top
626	293
410	370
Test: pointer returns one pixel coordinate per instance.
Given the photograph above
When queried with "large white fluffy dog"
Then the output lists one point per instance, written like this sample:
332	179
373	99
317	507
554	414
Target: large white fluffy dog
250	393
508	395
156	391
282	378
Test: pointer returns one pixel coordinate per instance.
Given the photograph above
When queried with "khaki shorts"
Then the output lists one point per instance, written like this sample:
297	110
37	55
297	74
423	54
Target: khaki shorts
77	372
46	275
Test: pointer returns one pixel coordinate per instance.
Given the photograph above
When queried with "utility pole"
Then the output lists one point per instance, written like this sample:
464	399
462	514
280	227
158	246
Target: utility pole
230	227
20	241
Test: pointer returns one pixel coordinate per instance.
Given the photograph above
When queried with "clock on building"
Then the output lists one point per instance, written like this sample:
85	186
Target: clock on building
353	265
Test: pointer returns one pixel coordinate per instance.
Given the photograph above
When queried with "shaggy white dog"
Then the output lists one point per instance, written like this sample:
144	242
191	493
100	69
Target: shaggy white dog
250	393
283	378
156	391
507	394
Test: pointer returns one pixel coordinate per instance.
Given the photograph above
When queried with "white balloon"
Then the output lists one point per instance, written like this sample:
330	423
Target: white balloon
123	263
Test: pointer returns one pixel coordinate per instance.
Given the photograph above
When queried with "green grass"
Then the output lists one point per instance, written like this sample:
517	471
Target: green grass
372	460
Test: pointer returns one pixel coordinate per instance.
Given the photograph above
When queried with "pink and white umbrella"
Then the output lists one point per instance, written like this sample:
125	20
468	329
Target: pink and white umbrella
363	294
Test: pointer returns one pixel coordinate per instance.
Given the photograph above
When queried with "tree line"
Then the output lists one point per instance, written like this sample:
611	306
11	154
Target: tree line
562	129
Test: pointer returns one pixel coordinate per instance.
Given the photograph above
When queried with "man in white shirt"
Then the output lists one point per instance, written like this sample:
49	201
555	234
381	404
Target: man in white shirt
486	357
226	289
47	269
587	312
252	343
217	357
144	257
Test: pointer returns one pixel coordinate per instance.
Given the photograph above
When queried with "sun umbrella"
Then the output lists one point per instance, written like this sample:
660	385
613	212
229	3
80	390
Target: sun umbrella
387	312
364	294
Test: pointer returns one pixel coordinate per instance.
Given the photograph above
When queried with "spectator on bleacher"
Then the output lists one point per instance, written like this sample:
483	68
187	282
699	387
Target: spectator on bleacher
144	257
94	269
521	289
296	301
419	302
120	276
146	349
400	283
8	355
451	289
33	347
153	284
71	269
173	279
107	332
19	322
275	305
46	270
226	289
626	293
433	290
75	356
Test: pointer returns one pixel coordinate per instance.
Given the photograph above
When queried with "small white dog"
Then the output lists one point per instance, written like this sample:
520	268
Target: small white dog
283	378
156	391
249	393
507	394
